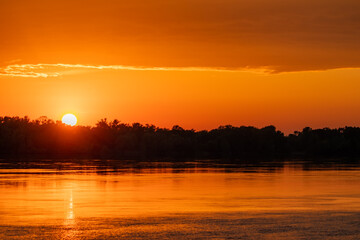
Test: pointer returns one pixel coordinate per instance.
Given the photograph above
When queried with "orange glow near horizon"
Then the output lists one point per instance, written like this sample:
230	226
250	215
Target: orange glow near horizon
199	100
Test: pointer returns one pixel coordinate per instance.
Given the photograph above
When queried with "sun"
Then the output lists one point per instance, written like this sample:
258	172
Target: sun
69	119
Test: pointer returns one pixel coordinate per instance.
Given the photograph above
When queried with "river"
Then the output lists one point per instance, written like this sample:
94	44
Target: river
93	199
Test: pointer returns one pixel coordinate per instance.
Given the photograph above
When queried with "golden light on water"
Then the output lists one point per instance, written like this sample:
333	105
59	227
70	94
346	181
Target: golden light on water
70	213
69	119
156	202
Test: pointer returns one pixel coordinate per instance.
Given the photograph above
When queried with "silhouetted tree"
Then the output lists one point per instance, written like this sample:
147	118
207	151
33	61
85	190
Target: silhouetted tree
21	137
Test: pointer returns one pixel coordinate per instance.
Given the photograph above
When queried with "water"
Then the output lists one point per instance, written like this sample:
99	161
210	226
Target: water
62	199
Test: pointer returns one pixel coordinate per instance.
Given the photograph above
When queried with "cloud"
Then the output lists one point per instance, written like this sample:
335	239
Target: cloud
26	70
285	36
43	70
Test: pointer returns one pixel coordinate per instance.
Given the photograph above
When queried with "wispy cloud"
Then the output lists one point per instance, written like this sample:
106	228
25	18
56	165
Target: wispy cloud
43	70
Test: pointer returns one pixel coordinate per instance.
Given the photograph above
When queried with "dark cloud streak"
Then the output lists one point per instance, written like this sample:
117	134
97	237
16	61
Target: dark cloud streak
283	35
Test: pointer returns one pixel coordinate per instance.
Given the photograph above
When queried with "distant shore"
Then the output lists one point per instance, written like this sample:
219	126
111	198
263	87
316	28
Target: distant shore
22	138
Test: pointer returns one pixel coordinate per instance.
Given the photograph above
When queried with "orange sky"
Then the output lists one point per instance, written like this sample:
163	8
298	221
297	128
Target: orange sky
199	64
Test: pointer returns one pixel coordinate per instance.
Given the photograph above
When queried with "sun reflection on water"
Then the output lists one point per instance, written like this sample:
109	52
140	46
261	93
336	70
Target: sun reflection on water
69	227
70	212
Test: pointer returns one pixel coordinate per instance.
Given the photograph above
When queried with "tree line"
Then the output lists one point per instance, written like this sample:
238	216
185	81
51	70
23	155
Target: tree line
43	137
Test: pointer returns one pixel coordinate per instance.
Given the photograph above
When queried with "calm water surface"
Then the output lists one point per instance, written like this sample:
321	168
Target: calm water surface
92	199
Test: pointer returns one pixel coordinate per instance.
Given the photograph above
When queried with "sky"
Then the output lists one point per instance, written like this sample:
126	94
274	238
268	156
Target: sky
195	63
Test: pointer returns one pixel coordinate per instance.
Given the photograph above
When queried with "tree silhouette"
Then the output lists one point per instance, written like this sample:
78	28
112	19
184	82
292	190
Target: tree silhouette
21	137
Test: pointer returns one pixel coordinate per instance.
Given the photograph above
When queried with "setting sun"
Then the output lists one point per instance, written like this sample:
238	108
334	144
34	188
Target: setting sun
69	119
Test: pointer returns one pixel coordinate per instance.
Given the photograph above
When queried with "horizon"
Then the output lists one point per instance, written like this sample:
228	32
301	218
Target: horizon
56	121
21	137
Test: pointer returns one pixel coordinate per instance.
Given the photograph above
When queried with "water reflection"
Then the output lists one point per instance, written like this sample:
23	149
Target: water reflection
59	166
65	199
69	229
70	214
